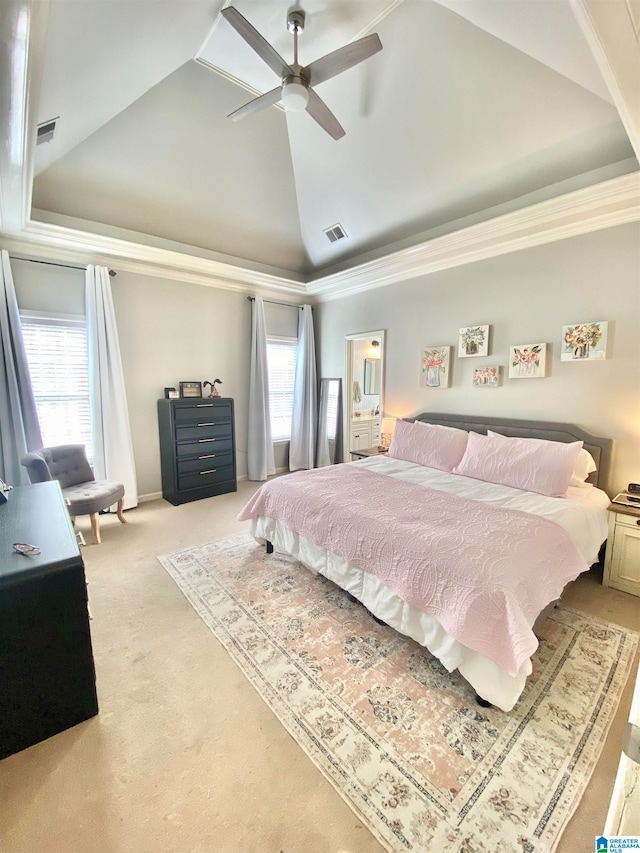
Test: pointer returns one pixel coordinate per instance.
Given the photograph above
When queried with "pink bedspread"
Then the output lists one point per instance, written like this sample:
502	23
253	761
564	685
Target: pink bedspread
484	572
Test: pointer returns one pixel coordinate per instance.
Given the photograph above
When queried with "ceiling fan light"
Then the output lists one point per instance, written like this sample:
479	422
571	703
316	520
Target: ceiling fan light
295	96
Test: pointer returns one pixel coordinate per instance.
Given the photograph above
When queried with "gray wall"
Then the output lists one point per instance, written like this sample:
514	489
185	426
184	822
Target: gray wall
169	331
526	297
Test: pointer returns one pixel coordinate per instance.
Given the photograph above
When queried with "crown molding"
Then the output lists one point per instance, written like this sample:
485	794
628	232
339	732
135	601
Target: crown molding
55	242
604	205
22	57
612	39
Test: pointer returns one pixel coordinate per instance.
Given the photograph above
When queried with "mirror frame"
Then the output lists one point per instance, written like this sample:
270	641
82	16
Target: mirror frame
372	375
337	440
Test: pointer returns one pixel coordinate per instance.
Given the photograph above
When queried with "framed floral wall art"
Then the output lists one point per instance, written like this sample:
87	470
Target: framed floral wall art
473	340
584	341
434	367
486	377
527	361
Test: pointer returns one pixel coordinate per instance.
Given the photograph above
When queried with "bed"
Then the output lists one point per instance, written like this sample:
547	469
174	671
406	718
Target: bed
439	551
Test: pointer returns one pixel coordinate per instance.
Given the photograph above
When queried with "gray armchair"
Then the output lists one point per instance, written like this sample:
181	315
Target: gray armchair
83	494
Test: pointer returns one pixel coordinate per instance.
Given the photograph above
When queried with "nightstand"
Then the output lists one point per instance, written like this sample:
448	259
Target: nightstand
622	561
367	451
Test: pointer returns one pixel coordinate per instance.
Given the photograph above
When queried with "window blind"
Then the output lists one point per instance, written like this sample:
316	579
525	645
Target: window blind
281	364
56	351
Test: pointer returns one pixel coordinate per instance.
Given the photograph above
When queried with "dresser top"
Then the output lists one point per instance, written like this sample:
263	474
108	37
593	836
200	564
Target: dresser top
35	514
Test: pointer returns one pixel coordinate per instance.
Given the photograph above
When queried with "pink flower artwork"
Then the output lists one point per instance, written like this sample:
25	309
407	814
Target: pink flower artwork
486	377
527	361
584	341
434	367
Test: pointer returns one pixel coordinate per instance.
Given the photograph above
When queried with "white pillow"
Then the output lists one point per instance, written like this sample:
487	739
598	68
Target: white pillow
585	464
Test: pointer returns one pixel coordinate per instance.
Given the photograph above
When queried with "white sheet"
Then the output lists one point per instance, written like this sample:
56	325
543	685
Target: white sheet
582	514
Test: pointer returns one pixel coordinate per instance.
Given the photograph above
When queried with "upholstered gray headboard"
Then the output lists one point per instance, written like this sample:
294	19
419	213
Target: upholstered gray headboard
600	448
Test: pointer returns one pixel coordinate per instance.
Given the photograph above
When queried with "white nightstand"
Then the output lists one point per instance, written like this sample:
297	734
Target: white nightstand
622	561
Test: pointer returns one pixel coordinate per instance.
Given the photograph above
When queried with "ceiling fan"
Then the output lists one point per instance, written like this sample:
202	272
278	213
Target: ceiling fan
295	90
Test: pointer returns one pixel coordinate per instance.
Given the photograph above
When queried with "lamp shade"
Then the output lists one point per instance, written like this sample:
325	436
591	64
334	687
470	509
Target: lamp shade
388	426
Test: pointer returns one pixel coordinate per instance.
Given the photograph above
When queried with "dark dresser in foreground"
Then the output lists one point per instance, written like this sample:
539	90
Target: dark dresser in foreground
47	677
197	448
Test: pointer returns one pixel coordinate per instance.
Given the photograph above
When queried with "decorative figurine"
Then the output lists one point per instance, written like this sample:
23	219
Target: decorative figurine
214	390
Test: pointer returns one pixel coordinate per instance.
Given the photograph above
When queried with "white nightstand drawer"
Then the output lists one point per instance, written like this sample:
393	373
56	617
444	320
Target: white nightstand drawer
628	520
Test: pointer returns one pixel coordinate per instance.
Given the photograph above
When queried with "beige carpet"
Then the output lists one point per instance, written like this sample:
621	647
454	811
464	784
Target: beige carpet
185	757
401	739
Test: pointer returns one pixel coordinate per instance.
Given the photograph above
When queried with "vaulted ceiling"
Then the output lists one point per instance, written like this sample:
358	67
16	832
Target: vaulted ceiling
474	109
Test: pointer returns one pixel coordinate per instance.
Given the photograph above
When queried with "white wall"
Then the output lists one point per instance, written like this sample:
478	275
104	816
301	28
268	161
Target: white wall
526	297
169	331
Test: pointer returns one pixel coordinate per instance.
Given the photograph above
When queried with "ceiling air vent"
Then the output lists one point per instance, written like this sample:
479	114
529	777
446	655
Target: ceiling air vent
46	131
335	233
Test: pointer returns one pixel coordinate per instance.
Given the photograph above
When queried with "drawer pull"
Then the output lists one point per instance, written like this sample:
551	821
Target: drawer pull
208	456
210	423
204	405
210	471
637	520
203	440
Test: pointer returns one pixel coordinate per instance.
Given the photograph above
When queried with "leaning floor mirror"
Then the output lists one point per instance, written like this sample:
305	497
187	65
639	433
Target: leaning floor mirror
329	446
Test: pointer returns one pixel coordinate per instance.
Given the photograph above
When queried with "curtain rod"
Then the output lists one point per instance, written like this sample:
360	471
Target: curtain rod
54	264
274	302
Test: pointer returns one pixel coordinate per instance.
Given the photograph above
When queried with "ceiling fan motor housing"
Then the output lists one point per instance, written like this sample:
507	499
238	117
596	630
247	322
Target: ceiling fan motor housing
295	20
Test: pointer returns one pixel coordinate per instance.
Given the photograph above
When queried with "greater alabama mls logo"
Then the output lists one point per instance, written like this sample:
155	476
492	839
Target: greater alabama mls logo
602	845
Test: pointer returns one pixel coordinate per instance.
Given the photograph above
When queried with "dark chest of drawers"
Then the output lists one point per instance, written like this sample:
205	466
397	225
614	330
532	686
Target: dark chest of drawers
47	677
197	448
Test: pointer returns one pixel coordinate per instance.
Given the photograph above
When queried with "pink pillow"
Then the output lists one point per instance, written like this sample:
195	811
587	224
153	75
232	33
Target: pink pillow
428	444
584	465
531	464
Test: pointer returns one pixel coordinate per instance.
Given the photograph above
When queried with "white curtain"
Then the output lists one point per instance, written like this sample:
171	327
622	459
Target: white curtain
261	461
305	396
112	447
19	428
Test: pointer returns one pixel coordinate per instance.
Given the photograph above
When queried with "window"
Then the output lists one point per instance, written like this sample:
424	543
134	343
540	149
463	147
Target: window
281	364
56	350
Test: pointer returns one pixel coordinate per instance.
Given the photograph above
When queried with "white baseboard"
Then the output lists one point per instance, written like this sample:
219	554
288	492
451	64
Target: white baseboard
152	496
156	496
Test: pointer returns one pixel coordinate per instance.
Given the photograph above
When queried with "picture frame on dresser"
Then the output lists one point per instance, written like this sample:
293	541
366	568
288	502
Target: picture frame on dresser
191	389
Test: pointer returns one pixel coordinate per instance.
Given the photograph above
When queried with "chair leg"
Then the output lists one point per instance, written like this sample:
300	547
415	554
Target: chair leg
119	511
95	526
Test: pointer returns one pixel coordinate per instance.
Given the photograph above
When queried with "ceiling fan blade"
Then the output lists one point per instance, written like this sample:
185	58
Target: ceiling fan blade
253	38
257	104
319	111
342	59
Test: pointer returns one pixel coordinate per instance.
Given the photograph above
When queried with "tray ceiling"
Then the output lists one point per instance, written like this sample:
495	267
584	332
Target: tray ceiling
472	109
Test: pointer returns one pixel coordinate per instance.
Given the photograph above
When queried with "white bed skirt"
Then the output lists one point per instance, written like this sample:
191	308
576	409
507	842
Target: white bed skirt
490	681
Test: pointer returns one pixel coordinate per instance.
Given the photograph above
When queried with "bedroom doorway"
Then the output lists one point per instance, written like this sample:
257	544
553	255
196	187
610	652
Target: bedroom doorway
364	390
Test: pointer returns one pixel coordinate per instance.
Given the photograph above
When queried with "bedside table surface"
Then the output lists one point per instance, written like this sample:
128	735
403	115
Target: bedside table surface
367	451
623	509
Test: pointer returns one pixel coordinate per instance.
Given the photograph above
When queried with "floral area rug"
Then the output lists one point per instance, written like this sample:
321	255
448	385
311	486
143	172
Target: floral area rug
402	740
